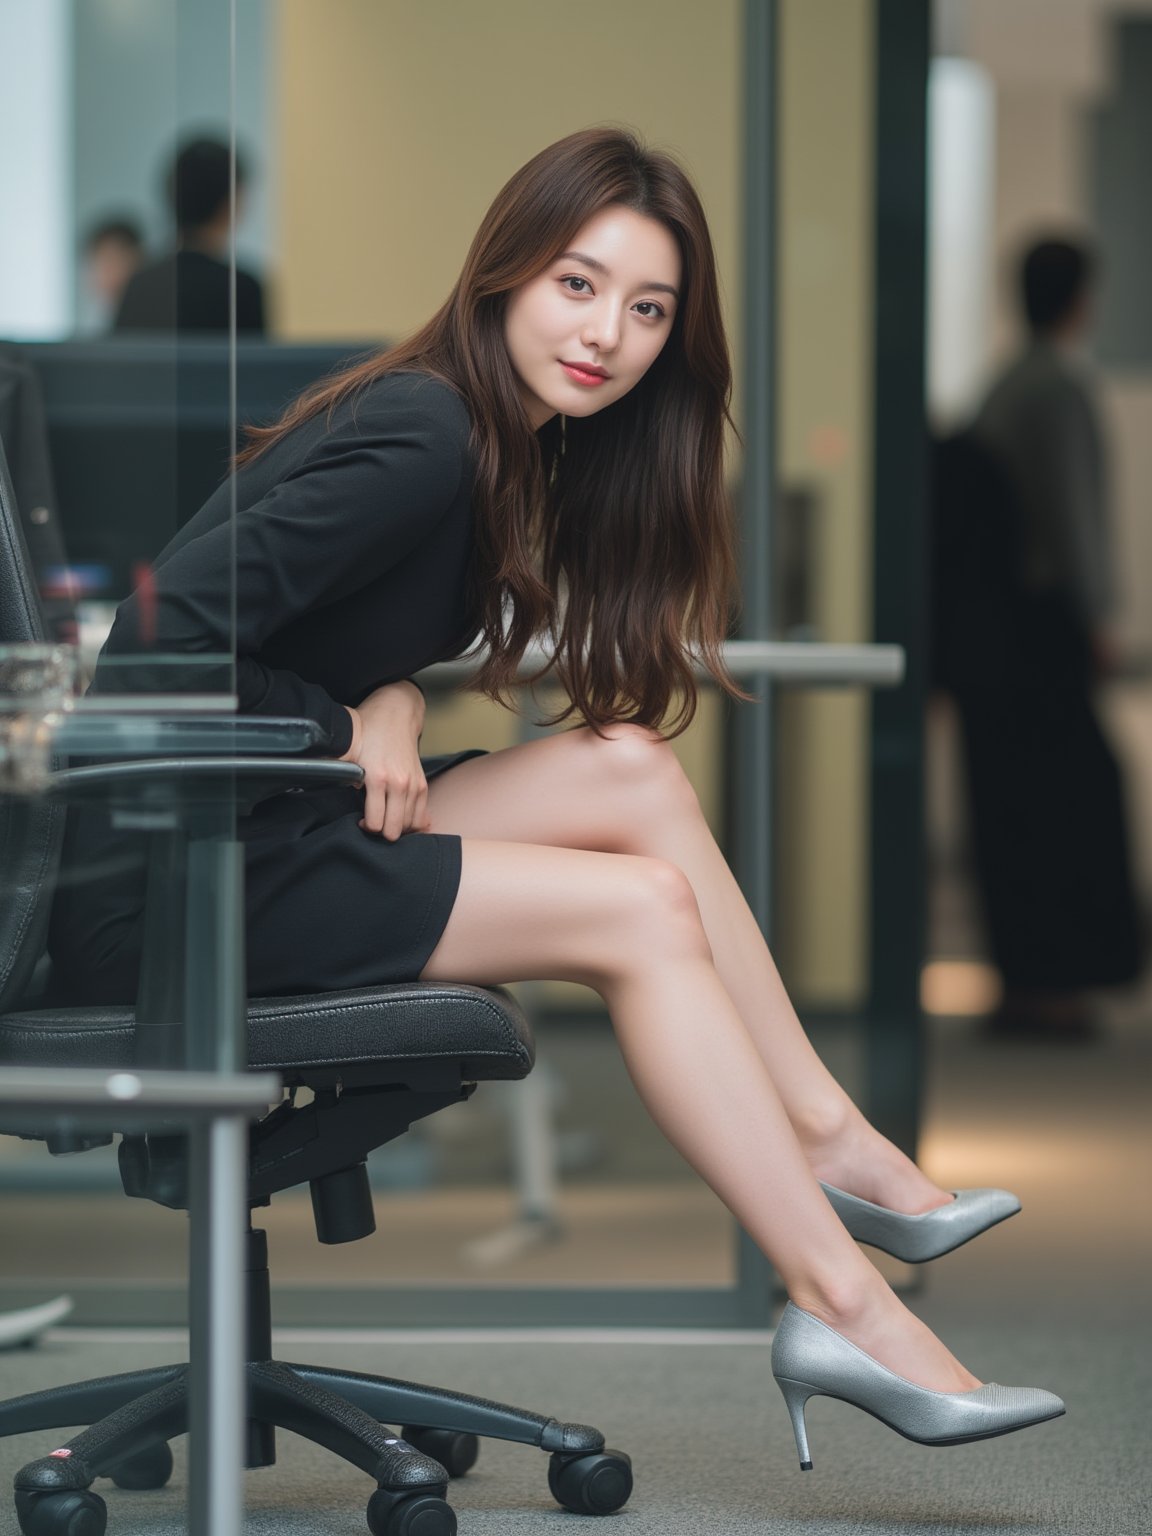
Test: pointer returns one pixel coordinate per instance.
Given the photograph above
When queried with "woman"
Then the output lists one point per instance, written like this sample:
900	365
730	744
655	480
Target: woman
545	457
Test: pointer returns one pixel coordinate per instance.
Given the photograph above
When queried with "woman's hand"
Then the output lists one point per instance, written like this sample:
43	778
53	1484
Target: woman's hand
385	742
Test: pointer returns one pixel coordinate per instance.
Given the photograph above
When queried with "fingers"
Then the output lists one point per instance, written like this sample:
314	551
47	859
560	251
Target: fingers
395	806
420	821
396	812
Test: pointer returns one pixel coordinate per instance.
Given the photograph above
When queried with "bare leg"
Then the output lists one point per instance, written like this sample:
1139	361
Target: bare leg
630	928
628	794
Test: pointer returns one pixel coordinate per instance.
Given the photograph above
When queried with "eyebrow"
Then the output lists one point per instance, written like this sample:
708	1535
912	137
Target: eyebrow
598	266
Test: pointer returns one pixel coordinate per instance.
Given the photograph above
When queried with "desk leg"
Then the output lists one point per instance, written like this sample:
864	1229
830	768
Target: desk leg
217	1376
218	1214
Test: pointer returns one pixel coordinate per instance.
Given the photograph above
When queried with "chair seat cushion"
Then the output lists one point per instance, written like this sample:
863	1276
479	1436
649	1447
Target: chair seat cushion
481	1029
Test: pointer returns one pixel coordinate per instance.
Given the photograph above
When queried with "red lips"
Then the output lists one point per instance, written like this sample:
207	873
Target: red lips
584	373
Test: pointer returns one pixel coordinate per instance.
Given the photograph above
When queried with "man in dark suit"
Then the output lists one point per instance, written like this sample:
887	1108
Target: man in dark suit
1041	419
190	288
1023	632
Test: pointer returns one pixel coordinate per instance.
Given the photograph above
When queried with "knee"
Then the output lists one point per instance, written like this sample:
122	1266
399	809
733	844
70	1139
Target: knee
662	914
637	761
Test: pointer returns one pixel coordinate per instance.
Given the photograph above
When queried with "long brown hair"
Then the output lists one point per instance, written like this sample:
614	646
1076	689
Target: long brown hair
609	537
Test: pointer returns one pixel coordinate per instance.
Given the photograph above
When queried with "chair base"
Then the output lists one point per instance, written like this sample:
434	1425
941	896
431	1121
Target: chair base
132	1416
345	1411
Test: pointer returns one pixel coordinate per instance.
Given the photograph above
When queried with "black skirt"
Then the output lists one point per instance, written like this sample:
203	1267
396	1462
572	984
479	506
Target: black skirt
327	905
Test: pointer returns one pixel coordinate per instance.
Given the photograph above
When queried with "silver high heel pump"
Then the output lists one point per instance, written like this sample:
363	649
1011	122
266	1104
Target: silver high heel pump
809	1359
917	1238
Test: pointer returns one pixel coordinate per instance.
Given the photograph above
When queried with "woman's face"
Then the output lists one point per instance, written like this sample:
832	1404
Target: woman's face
588	328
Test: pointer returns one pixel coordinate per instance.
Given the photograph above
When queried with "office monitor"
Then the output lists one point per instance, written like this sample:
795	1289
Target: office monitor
140	436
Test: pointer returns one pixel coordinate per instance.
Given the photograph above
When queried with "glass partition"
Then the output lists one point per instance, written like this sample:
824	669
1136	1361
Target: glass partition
556	1198
356	227
117	346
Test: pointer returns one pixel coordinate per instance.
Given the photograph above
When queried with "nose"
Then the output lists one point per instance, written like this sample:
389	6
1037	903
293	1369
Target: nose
601	328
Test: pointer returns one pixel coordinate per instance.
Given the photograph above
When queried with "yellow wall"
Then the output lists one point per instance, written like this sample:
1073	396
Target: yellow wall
825	425
399	120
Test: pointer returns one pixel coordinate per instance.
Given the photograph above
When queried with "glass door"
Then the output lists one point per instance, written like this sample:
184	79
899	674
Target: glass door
555	1200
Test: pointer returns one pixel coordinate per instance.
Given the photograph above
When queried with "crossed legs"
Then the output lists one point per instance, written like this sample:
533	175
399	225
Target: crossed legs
628	794
588	860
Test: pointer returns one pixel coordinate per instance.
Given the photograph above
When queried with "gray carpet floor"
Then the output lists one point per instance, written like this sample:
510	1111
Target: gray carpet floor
1058	1297
710	1442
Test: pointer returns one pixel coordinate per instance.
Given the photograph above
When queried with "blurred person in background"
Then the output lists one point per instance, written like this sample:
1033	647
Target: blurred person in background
1026	596
113	251
189	288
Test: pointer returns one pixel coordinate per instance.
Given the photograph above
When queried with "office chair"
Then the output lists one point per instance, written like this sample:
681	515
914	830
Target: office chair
375	1060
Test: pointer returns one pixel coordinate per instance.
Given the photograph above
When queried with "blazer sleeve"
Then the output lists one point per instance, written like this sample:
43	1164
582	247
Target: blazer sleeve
360	501
1068	469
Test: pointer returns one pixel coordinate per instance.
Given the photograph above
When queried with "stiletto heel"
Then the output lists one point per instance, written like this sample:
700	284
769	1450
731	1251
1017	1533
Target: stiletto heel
809	1359
928	1235
796	1394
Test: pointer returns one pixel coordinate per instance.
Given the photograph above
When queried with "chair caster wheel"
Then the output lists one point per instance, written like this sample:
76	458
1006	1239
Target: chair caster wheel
75	1512
149	1468
420	1514
593	1484
455	1452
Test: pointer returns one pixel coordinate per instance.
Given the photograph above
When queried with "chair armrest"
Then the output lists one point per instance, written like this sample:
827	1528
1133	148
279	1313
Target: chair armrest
243	779
191	759
120	732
